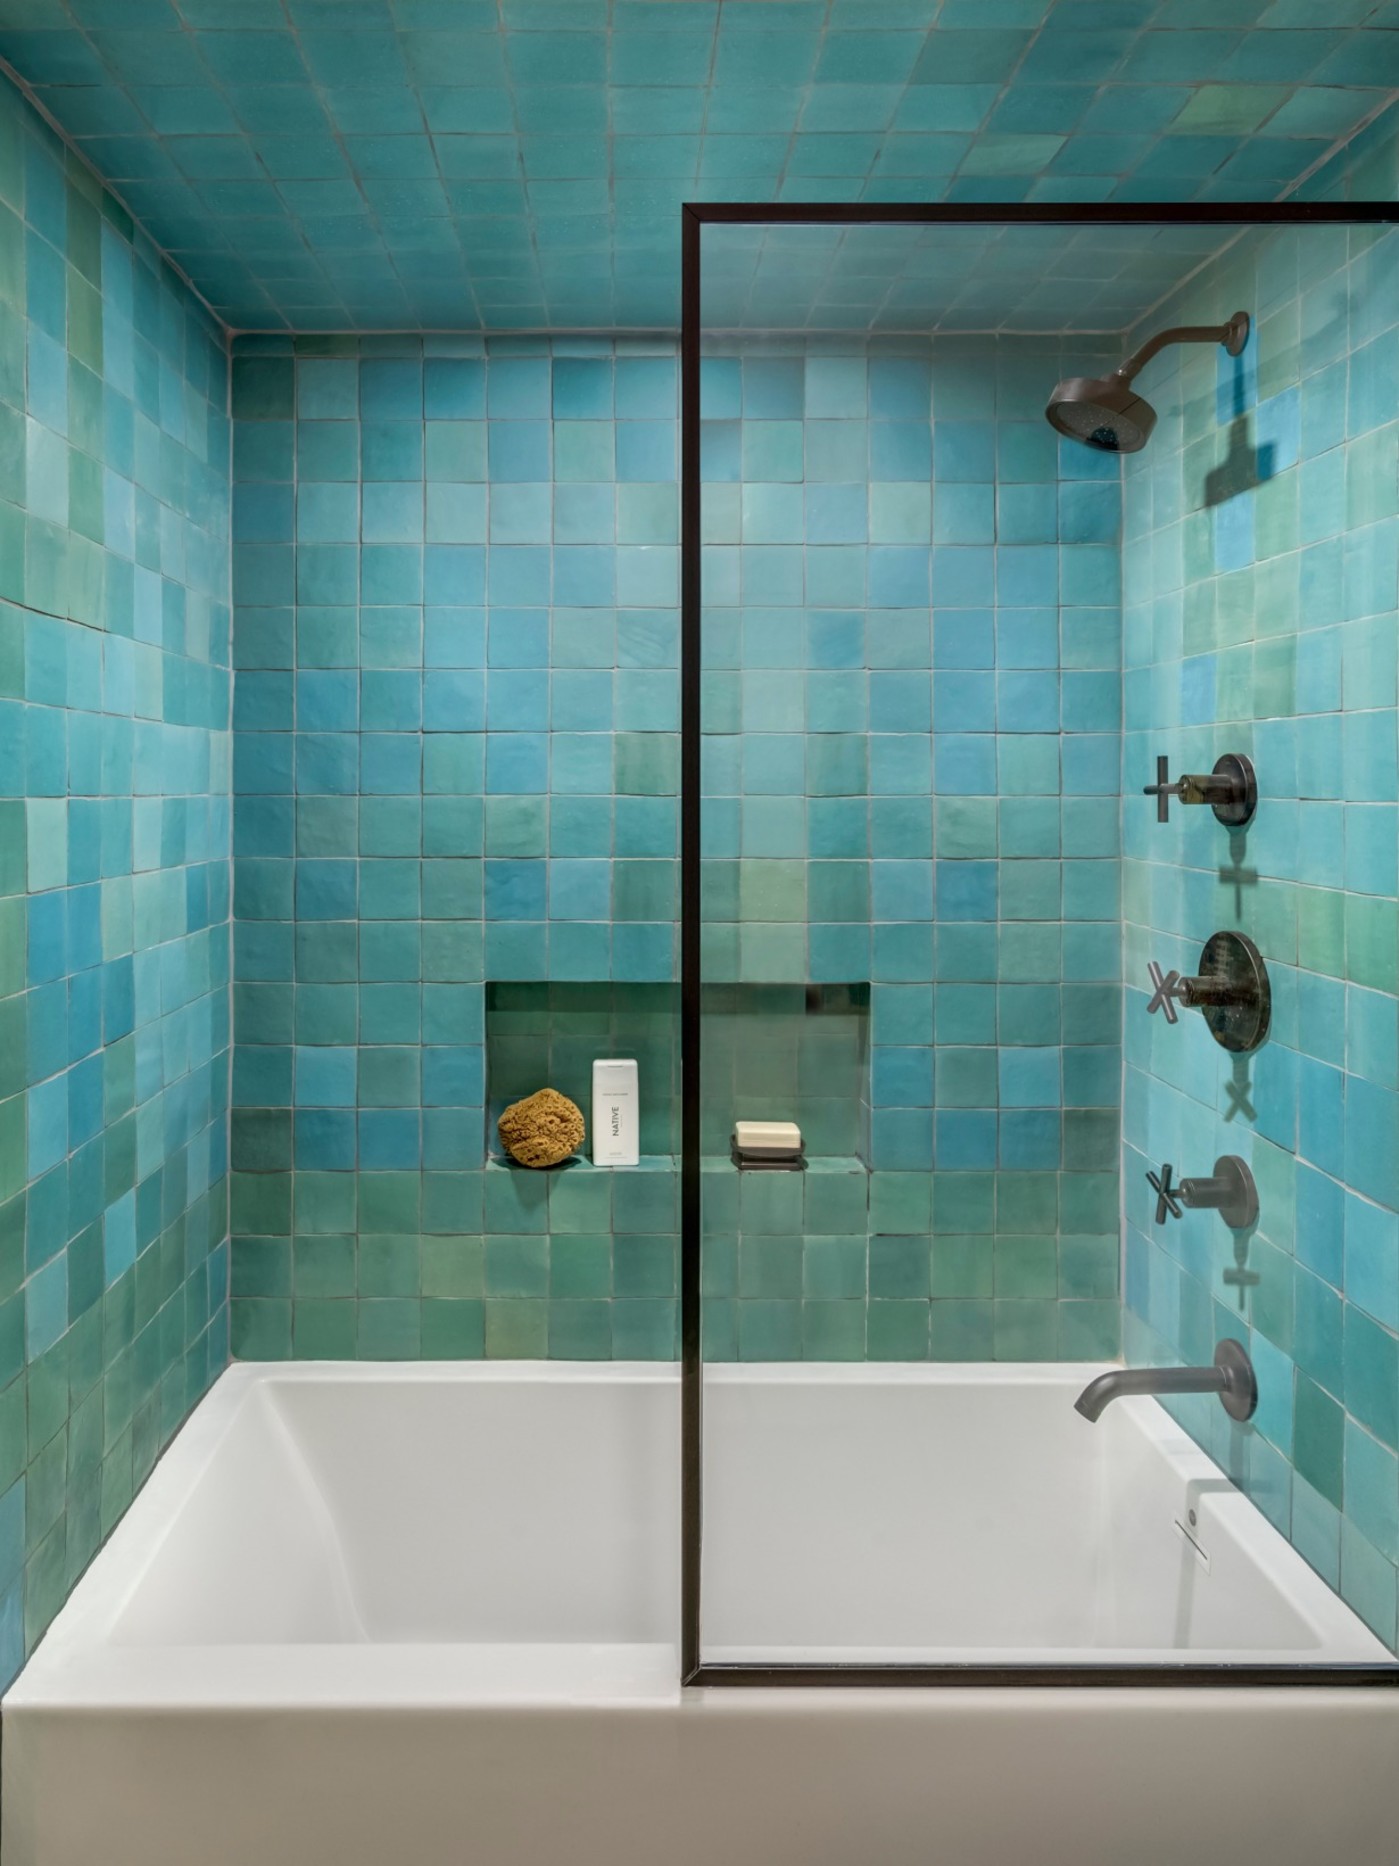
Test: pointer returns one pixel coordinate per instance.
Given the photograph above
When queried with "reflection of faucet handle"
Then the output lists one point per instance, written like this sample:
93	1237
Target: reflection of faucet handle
1196	991
1166	989
1166	1199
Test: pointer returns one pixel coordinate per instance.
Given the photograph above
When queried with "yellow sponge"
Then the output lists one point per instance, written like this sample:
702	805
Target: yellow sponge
543	1129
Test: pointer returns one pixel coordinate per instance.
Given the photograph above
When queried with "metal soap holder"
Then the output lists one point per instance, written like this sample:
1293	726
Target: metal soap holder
1231	790
1231	988
767	1162
1230	1190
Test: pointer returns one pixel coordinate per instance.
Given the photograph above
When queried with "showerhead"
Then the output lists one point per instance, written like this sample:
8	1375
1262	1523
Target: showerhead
1102	412
1106	413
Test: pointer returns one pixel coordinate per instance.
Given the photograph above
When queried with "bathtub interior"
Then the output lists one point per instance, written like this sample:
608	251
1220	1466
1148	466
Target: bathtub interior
857	1524
528	1518
404	1511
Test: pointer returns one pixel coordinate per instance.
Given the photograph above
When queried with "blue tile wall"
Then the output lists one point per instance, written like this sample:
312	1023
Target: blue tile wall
517	164
457	761
114	865
912	678
1262	539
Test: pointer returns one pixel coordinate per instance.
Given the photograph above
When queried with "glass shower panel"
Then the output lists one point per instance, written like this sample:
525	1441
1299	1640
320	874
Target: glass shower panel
946	940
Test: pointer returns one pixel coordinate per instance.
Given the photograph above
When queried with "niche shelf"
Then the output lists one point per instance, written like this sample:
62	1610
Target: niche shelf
549	1034
788	1053
771	1051
831	1164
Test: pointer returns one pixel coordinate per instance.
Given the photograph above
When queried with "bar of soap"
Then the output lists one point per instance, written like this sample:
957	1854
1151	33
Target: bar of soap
767	1137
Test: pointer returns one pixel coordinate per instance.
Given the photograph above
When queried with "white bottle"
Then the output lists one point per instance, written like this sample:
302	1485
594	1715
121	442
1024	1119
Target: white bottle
616	1117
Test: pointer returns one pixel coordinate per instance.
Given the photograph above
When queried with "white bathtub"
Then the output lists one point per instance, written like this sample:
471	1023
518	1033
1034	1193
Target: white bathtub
373	1615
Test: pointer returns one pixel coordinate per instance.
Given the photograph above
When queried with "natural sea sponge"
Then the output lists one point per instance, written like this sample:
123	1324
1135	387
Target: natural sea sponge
543	1129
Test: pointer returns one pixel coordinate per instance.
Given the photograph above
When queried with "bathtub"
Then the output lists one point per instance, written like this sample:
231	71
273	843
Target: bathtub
398	1614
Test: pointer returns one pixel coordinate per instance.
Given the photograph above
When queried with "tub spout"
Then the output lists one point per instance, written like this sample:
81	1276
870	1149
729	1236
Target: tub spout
1231	1377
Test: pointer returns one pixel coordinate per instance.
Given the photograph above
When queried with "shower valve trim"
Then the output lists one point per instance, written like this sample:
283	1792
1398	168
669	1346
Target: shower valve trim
1231	789
1230	1190
1231	989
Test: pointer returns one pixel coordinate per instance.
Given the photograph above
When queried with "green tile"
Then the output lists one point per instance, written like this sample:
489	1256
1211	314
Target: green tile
1026	1330
1025	1267
768	1266
647	764
897	1331
325	1202
516	1266
580	1330
961	1331
389	1202
962	1202
263	388
453	1330
453	1268
644	1330
833	1331
1318	1440
581	1202
323	1267
769	1330
390	1329
261	1330
833	1267
261	1139
1088	1201
263	1268
388	1267
580	1266
262	1204
900	1202
837	1204
1088	1267
1090	1331
1027	1202
898	1268
1321	931
1372	942
324	1329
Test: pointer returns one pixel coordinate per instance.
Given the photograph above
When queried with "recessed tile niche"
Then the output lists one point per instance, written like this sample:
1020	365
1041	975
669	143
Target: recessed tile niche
777	1052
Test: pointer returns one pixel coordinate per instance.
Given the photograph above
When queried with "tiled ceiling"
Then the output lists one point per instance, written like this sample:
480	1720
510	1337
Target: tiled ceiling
918	279
516	164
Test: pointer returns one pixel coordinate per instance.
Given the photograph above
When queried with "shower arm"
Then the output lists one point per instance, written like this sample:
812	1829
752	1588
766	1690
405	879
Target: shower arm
1233	335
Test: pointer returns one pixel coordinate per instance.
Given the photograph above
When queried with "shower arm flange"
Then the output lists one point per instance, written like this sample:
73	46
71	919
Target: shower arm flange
1233	335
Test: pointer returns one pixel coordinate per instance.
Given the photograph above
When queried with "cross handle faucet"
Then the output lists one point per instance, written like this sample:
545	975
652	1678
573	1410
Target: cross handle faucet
1231	789
1229	1190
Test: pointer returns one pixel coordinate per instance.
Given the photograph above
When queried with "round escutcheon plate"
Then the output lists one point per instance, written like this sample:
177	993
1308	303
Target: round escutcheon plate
1240	1393
1242	1024
1241	807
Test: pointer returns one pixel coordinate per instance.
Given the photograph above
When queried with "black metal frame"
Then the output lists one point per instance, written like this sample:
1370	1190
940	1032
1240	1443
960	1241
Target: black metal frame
694	217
